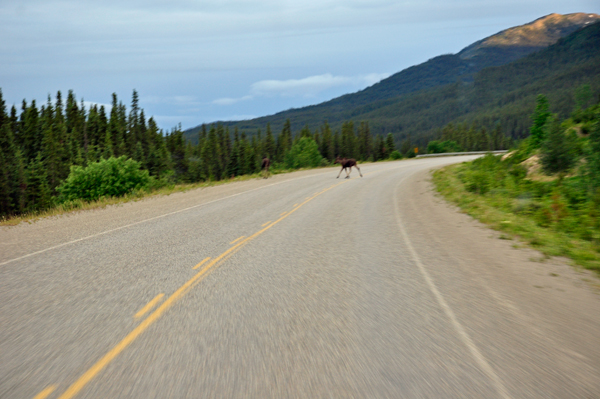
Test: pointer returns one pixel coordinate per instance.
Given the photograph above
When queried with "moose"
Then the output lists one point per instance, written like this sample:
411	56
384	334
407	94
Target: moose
266	162
347	164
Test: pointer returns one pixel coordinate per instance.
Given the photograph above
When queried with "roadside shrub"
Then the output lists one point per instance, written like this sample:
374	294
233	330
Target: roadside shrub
303	154
410	153
395	155
113	177
477	181
438	147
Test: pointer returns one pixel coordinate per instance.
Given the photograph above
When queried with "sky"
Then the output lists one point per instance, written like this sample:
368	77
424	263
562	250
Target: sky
195	62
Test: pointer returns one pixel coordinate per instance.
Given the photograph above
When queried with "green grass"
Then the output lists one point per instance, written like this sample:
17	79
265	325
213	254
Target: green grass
495	209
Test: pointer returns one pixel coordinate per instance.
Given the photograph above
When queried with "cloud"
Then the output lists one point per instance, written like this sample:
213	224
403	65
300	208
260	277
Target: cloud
231	101
312	85
308	87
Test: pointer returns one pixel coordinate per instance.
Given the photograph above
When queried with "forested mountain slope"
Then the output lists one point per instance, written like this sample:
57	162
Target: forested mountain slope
420	99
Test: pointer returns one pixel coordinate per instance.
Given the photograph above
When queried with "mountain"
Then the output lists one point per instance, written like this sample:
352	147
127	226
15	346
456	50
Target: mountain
514	43
389	105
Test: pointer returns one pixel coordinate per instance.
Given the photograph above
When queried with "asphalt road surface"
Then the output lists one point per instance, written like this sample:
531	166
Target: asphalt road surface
299	286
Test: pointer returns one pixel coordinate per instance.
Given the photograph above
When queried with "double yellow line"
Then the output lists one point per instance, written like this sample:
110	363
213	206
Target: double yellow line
86	377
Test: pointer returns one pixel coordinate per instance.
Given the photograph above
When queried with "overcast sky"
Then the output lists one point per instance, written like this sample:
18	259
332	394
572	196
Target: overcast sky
194	62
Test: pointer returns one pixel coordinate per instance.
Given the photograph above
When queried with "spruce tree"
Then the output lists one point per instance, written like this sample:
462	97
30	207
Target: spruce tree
347	140
269	146
557	152
32	137
38	190
211	155
6	206
537	133
365	149
327	148
389	144
593	158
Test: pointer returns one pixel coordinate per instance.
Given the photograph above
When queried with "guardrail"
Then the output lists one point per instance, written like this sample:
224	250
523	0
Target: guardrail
450	154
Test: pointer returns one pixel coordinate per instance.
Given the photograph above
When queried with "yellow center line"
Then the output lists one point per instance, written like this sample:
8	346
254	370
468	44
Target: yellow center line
282	213
201	263
236	240
295	205
86	377
264	224
148	306
44	394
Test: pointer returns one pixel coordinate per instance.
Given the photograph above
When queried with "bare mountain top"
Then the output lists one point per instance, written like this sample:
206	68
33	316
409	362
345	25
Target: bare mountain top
532	36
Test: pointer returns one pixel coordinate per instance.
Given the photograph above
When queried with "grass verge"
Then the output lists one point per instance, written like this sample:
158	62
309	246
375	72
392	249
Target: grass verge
491	209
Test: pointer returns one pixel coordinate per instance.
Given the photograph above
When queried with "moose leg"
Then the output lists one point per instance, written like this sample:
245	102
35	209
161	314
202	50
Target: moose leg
356	166
340	172
348	172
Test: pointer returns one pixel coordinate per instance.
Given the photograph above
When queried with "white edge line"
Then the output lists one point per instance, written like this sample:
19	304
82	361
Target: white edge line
467	341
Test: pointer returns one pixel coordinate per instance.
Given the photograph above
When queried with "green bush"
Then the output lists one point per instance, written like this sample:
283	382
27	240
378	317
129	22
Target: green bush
438	147
113	177
303	154
395	155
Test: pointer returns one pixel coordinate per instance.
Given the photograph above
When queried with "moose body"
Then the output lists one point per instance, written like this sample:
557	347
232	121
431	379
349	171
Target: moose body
347	165
266	162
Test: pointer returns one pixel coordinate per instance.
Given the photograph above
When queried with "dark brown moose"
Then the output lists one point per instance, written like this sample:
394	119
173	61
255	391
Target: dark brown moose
266	162
347	164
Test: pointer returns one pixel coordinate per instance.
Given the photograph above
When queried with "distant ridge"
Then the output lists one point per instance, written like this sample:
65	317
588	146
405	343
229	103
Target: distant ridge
514	43
372	103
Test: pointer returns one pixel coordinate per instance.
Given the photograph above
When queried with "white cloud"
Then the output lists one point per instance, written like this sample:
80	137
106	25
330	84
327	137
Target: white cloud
231	101
308	87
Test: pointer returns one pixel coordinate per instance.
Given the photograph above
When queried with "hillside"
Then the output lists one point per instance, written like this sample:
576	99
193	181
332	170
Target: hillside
399	103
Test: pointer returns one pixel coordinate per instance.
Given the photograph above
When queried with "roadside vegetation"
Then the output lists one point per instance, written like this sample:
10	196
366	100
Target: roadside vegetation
546	191
62	156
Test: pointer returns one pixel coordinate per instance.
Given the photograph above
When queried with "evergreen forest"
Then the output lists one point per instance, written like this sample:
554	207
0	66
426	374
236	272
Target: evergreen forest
62	152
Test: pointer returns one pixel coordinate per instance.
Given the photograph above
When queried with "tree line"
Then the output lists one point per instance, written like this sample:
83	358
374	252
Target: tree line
40	146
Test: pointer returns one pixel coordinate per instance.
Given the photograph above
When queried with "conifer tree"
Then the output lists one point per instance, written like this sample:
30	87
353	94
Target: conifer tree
50	153
557	152
389	144
236	157
305	132
7	160
211	155
269	146
246	155
31	141
347	140
539	117
38	191
19	183
593	164
6	206
284	141
364	141
74	125
225	153
327	148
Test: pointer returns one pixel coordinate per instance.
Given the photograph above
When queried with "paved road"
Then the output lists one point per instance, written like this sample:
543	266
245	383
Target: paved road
300	286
